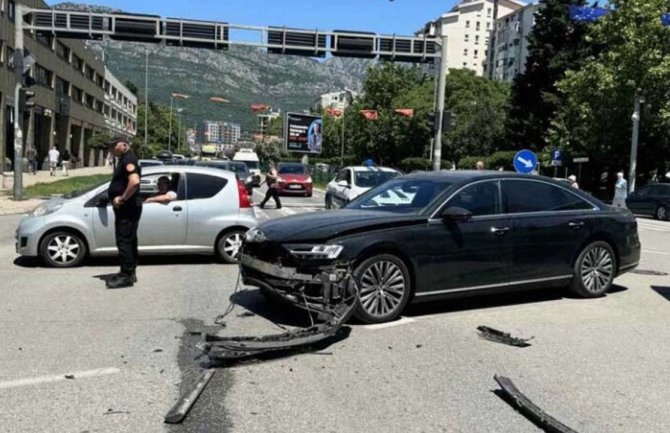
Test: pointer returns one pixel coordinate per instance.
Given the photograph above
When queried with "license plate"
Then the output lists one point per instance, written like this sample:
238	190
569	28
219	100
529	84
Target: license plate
295	187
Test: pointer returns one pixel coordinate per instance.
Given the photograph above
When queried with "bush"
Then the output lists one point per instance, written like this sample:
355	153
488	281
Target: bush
469	162
408	165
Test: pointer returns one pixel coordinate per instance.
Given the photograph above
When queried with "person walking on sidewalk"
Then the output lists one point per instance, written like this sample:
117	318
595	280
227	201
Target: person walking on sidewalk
54	156
620	191
124	194
31	154
65	161
271	180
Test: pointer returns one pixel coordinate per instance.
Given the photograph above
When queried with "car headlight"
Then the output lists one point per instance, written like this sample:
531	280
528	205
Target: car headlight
318	252
254	235
309	179
42	210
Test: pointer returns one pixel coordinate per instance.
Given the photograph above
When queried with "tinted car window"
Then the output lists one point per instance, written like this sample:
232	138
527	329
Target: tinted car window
343	175
369	179
480	199
402	195
530	196
203	186
239	168
292	169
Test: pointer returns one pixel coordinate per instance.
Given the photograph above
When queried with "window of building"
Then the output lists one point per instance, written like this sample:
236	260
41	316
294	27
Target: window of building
488	12
488	25
476	53
10	58
467	37
62	86
476	39
62	51
467	24
465	65
77	94
89	72
90	101
43	76
465	51
2	7
10	10
478	26
2	50
77	63
45	39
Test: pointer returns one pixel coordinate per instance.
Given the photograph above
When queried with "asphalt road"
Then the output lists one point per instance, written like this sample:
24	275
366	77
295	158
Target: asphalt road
596	365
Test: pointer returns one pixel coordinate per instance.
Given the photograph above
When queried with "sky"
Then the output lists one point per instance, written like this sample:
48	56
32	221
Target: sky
402	17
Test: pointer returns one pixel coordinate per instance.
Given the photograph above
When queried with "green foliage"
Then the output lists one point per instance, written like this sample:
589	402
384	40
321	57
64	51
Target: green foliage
422	164
556	45
503	158
99	141
469	162
132	87
158	130
66	186
479	106
595	119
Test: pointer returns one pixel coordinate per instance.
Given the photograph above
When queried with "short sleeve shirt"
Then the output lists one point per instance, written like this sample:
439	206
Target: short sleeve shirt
126	166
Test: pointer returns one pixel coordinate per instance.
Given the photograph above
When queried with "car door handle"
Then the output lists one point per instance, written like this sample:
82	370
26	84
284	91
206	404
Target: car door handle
177	209
576	225
499	230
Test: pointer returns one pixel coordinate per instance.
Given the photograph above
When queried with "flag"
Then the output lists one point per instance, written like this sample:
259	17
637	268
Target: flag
259	107
370	114
407	112
665	19
180	95
218	99
335	112
586	14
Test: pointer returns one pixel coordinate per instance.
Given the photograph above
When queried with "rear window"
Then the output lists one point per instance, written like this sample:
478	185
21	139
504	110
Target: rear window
370	179
201	186
292	169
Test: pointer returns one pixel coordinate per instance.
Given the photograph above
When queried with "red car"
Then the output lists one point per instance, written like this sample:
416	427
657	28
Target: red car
293	179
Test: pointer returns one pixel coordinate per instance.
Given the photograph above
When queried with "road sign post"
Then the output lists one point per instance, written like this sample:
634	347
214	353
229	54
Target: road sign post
580	161
525	161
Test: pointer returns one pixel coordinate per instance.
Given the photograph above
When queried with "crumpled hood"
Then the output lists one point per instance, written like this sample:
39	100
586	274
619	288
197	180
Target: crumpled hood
325	225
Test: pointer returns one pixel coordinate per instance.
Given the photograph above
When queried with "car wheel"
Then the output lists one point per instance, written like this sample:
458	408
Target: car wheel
383	288
229	245
595	270
661	213
62	249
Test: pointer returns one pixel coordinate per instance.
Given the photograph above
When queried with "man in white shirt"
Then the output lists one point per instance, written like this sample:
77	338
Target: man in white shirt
54	155
165	195
620	191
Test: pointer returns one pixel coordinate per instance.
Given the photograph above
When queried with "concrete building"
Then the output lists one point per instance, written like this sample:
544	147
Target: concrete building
70	94
511	42
120	108
264	122
338	100
208	132
230	132
468	26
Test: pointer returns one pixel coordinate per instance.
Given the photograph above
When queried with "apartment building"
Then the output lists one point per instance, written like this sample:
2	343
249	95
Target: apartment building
511	42
468	27
120	108
70	93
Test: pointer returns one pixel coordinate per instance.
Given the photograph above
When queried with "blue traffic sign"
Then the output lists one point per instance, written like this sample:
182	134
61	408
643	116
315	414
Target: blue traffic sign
525	161
557	155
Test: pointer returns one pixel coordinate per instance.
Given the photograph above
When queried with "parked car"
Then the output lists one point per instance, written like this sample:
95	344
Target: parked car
652	200
462	233
210	216
294	178
351	182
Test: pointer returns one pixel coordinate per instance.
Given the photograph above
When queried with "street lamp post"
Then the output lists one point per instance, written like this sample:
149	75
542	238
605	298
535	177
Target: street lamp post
348	94
172	98
634	139
179	111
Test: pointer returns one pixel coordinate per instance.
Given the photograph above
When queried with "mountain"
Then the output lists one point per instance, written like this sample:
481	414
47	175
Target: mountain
242	75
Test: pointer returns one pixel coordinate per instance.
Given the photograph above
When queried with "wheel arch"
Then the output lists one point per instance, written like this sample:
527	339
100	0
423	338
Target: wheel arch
233	228
67	229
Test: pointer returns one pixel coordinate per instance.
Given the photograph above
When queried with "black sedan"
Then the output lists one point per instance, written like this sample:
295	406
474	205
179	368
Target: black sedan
428	236
652	200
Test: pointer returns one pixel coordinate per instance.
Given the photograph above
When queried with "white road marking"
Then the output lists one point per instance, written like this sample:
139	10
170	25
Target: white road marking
663	253
261	214
58	378
287	211
400	322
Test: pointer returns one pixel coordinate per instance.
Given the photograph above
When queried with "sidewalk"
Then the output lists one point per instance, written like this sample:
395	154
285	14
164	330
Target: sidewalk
8	206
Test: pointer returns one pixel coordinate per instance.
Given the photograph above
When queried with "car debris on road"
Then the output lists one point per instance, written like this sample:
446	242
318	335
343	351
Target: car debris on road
502	337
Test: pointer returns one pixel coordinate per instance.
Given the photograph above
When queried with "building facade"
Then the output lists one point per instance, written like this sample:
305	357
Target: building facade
468	27
230	132
339	100
120	108
511	43
69	94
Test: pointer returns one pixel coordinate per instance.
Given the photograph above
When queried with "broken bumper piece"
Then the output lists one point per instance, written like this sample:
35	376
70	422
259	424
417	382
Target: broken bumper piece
317	288
224	349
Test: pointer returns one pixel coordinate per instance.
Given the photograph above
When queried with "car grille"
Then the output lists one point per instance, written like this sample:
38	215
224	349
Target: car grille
270	252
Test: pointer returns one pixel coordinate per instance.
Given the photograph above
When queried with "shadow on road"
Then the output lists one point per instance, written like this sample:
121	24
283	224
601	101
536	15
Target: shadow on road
662	290
33	262
270	308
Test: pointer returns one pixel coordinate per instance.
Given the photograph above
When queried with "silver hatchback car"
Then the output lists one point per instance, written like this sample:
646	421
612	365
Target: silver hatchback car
211	214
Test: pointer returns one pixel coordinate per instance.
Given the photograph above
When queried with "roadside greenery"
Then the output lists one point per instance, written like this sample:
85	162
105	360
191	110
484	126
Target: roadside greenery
65	186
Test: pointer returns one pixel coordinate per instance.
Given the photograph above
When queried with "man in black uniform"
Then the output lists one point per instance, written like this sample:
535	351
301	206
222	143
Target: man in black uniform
124	196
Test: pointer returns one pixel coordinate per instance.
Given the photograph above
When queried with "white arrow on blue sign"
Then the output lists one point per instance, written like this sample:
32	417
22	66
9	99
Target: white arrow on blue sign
525	161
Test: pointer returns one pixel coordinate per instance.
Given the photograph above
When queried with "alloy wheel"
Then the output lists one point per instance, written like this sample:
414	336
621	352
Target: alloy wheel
232	245
382	288
63	249
597	270
661	213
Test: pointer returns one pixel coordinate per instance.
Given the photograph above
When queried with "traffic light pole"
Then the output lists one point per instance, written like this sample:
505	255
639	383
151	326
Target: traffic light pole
18	115
441	96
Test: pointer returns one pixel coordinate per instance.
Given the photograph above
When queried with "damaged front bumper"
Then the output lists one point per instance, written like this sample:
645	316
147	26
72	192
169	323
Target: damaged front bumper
321	288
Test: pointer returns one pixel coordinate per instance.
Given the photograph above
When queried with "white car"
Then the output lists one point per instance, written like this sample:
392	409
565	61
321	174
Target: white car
351	182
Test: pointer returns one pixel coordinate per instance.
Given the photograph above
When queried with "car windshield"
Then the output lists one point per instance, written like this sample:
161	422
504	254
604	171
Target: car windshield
400	195
370	179
292	169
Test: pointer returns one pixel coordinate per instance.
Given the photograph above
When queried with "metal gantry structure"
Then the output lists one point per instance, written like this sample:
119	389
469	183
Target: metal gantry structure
71	24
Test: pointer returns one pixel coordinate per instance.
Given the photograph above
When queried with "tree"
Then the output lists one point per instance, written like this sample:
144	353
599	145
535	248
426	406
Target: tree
556	45
595	119
158	122
132	87
478	107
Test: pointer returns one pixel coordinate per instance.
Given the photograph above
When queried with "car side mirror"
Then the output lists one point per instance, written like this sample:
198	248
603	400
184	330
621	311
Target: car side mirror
344	184
101	201
456	214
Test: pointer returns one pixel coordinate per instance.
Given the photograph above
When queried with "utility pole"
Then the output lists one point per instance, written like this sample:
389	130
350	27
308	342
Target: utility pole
146	96
633	143
18	115
441	95
170	131
342	150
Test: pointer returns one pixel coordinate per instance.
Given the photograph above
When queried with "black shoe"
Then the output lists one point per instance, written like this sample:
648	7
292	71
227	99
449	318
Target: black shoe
120	281
278	207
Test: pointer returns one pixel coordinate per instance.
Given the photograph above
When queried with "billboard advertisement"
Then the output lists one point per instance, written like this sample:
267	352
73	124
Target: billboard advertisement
304	133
